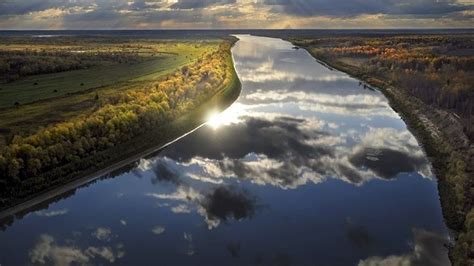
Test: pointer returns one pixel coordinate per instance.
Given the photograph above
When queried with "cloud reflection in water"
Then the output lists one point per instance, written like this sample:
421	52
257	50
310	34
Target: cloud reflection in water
428	249
48	252
305	156
281	135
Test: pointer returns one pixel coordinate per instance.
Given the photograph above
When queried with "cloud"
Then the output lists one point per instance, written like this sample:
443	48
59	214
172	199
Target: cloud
339	131
189	244
343	8
226	203
182	208
273	137
182	193
106	253
103	234
153	14
362	141
52	213
387	163
193	4
165	173
348	105
221	204
428	249
284	152
289	152
47	251
14	7
158	230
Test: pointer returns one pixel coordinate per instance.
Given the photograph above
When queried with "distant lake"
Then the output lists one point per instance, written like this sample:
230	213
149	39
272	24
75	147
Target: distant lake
307	167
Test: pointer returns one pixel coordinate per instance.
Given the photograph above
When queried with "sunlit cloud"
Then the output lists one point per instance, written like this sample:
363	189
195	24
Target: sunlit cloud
369	159
354	164
229	116
48	252
103	234
182	208
88	14
189	243
52	213
106	253
182	194
158	230
428	249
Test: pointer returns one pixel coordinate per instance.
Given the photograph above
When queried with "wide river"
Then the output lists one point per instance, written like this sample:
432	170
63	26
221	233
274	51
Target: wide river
307	167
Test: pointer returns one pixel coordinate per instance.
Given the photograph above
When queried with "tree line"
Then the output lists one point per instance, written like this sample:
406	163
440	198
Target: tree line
17	64
119	118
439	70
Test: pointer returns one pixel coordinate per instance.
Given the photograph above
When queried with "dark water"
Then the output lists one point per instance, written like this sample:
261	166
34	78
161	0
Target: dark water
306	168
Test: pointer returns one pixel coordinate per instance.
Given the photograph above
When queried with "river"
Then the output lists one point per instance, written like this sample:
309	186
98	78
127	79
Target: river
307	167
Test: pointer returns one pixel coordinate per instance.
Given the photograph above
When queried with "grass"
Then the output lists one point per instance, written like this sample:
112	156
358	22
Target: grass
40	106
158	60
146	143
41	87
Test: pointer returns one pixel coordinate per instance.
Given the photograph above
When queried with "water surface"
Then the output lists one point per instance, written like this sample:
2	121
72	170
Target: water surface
307	167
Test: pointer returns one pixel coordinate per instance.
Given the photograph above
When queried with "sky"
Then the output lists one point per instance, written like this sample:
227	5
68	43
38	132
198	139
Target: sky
235	14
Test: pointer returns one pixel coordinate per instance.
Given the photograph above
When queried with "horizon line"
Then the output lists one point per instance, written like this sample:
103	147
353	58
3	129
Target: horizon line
240	29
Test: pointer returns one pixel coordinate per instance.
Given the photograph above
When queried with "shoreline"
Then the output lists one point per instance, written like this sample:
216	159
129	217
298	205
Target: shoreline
435	143
56	191
221	100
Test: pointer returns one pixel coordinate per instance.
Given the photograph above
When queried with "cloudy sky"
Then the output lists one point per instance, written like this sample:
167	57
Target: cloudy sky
188	14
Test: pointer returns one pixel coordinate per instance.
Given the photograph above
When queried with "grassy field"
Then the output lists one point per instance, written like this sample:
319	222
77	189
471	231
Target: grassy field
157	60
51	98
50	142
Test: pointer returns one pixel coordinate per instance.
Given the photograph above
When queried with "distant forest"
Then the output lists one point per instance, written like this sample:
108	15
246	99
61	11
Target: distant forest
17	64
437	69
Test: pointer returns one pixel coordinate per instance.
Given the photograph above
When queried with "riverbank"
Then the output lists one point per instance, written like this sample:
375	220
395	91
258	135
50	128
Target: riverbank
66	177
441	136
221	100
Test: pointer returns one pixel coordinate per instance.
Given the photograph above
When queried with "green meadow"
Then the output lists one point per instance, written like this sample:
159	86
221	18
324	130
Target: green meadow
37	101
160	60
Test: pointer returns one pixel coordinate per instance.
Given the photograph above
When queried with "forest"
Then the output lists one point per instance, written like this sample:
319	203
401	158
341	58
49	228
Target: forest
60	67
122	118
17	64
429	80
436	69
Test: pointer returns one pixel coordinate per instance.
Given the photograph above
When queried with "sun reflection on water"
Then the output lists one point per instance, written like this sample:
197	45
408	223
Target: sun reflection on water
229	116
